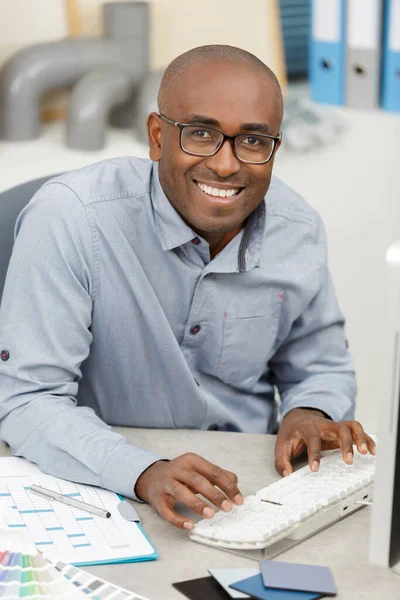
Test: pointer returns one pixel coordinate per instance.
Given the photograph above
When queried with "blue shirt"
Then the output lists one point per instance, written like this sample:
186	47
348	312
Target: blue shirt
114	314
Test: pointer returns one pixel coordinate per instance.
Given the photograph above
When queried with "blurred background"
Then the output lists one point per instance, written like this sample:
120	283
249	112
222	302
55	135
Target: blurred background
78	78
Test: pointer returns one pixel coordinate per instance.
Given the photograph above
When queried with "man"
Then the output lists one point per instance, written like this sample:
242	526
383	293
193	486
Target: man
176	292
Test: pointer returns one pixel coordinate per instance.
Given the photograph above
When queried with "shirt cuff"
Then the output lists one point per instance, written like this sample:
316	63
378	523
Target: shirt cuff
124	466
306	407
333	412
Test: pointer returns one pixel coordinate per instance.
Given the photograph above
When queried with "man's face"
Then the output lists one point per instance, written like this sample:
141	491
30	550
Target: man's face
233	96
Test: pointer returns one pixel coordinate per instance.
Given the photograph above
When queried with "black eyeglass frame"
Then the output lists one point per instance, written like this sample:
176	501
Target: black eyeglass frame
275	138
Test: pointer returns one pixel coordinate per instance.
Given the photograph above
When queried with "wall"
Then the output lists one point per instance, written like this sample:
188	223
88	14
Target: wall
25	22
178	25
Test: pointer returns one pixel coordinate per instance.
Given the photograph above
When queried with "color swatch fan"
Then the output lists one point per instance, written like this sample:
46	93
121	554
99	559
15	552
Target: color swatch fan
25	573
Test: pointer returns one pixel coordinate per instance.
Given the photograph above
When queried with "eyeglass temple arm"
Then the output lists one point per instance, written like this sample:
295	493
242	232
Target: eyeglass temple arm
169	120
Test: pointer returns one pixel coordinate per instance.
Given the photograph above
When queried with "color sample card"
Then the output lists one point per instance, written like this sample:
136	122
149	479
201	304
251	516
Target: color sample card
95	587
254	586
205	588
292	576
227	576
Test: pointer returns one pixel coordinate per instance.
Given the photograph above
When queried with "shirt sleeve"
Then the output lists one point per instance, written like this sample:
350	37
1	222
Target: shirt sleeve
312	368
45	320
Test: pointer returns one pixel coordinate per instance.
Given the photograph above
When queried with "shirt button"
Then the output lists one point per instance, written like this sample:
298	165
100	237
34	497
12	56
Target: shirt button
5	355
213	427
195	329
196	241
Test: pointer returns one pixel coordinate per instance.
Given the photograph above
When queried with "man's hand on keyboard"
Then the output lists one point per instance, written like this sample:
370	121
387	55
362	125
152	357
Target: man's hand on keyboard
163	484
309	430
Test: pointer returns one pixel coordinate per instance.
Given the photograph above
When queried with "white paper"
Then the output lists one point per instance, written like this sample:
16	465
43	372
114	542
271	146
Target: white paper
63	532
12	466
394	26
226	577
364	24
16	541
326	20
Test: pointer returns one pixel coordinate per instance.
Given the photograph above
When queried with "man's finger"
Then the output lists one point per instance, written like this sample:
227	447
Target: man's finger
213	475
346	442
363	442
182	494
312	439
283	455
204	486
233	476
165	508
371	444
193	483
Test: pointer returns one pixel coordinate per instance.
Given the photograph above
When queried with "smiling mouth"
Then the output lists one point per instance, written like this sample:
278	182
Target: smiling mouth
215	192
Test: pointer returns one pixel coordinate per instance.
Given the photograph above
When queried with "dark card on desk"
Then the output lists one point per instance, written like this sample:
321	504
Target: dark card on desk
205	588
254	586
293	576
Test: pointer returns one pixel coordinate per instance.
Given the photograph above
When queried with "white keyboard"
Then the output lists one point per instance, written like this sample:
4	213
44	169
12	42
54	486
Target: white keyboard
293	508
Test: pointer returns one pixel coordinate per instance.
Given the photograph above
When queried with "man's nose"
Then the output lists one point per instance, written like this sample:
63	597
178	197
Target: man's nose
224	162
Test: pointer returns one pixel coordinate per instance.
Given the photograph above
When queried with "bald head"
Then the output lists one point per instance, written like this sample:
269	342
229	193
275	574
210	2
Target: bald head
212	53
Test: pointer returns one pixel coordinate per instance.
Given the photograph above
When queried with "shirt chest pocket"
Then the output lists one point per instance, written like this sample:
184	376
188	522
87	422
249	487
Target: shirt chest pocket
249	335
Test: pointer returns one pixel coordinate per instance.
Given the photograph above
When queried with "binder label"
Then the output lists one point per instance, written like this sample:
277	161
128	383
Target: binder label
364	24
326	20
394	27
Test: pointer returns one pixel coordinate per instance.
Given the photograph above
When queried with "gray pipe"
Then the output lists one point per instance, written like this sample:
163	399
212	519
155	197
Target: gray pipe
92	99
38	68
146	102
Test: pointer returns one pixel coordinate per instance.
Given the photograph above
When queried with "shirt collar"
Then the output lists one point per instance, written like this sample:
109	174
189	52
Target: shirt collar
174	232
171	228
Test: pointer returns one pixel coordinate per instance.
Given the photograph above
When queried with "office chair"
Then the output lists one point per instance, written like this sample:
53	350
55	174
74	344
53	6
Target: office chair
12	201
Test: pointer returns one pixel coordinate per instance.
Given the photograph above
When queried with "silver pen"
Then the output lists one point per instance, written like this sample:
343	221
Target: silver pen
50	495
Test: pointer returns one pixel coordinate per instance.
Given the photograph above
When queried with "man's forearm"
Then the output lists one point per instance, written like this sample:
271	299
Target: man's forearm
73	443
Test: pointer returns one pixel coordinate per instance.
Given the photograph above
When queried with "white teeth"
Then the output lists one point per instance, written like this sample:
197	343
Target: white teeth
216	192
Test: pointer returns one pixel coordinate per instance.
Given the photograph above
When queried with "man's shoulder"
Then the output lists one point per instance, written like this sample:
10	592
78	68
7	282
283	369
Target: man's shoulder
109	179
284	202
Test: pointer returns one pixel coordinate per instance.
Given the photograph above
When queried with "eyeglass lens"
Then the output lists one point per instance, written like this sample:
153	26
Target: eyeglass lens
249	147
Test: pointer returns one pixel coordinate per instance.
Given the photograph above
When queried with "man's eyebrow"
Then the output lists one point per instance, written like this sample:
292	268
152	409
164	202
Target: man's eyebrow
261	127
203	120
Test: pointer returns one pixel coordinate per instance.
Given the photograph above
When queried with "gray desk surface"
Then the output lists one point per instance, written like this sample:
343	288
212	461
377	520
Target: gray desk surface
342	547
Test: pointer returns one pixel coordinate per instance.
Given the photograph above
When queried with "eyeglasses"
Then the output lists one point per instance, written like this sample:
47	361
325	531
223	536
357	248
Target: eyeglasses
201	140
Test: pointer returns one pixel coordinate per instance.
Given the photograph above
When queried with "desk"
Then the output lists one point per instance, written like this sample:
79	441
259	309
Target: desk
343	547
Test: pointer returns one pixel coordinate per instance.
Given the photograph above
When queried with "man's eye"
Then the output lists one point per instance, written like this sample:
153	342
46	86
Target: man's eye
251	141
201	133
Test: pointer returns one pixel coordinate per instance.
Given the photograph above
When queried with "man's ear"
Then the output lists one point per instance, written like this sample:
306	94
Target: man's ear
154	136
278	144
